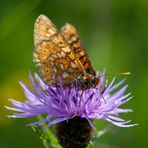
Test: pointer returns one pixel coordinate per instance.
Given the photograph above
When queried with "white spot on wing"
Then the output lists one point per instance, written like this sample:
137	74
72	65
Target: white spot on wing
62	66
65	75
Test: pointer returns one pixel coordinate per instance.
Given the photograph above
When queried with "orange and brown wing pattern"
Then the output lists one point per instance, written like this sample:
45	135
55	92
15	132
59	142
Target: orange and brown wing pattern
71	36
53	55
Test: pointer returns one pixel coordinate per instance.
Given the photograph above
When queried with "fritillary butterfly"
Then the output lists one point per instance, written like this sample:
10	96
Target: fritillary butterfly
60	55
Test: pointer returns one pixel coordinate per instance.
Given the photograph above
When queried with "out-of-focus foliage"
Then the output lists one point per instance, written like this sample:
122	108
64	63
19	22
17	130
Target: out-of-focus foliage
115	34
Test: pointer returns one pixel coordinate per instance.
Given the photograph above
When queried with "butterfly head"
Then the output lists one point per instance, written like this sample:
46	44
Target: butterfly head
87	81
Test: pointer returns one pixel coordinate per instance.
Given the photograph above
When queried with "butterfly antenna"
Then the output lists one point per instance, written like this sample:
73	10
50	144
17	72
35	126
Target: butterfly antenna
122	73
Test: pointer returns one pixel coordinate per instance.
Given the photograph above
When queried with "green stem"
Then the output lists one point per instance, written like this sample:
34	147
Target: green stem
48	138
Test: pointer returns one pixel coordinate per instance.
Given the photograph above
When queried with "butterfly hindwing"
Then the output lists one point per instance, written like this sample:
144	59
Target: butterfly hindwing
71	36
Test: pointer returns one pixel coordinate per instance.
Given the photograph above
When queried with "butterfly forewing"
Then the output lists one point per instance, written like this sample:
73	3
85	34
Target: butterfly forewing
53	55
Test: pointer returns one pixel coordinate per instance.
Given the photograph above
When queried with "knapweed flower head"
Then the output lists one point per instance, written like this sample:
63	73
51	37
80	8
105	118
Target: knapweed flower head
64	103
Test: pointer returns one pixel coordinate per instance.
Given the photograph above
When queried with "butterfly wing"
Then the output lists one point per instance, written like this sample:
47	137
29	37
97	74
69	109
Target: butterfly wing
71	36
53	55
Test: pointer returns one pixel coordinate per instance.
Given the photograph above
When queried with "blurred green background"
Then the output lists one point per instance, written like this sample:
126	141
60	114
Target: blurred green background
115	35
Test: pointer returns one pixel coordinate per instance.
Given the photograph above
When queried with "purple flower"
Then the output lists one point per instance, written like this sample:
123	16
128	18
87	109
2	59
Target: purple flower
64	103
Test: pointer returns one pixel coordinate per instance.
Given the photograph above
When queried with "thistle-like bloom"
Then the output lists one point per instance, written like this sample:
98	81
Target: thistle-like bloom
64	103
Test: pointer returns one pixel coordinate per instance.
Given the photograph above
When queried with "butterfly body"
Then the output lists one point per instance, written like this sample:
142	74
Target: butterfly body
87	81
60	55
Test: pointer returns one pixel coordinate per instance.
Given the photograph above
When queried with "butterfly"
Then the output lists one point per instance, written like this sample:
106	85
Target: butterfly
59	55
